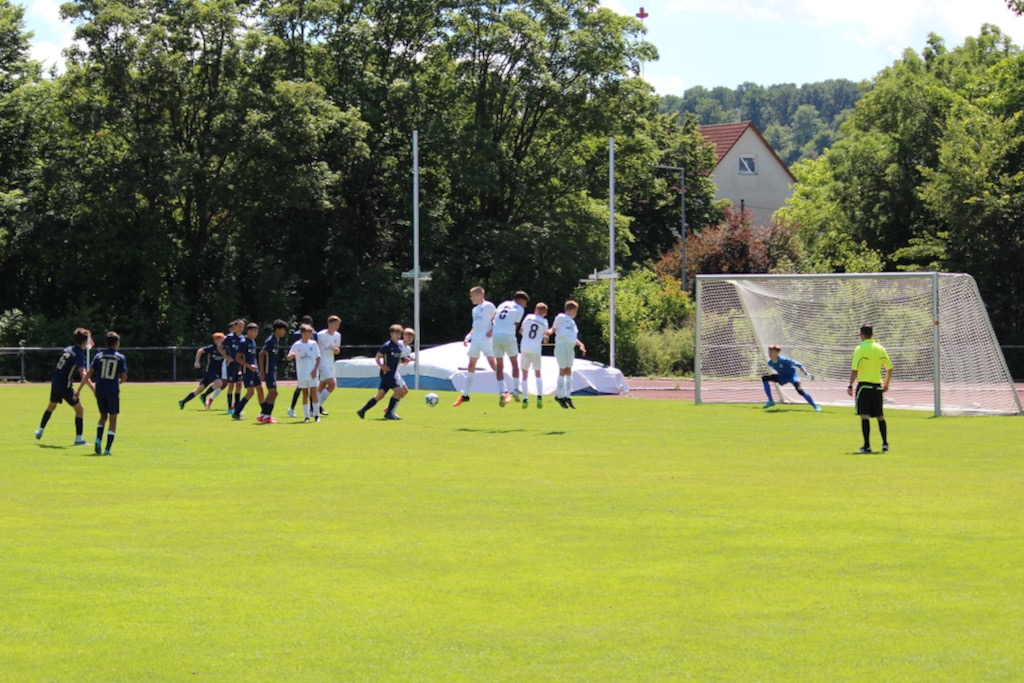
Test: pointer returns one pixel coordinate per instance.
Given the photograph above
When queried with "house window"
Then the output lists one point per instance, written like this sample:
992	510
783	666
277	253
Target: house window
748	165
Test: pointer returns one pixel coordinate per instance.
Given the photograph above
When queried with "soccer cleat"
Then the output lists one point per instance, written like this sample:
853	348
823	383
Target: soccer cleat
517	395
506	397
885	448
209	403
79	441
561	402
569	403
181	405
540	402
39	433
231	411
361	413
323	412
865	449
305	421
269	420
316	419
817	408
291	412
502	401
259	418
769	404
106	452
391	416
97	446
460	400
526	403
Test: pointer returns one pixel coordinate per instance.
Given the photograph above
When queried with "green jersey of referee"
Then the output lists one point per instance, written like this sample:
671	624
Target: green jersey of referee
869	359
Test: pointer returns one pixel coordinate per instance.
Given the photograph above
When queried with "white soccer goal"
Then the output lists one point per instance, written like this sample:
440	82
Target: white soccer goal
934	326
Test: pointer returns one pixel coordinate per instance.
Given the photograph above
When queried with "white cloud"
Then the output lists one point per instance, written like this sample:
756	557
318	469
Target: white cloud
46	12
666	85
881	24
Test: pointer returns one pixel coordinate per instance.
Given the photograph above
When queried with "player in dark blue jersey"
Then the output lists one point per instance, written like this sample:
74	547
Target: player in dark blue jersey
62	381
388	357
233	373
267	360
246	359
109	370
297	336
211	370
785	369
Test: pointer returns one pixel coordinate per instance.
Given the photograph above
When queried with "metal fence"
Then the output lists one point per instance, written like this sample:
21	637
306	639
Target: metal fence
145	363
174	363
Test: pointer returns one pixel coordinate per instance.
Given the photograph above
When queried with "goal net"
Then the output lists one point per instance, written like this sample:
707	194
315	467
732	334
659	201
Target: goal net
934	326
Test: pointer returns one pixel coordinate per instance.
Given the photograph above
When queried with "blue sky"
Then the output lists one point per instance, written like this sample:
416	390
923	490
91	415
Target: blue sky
728	42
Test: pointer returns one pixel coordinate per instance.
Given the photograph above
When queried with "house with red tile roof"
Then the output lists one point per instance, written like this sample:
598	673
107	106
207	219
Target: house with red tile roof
749	173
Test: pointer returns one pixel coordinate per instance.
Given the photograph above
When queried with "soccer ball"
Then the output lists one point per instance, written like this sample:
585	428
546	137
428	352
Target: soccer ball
431	399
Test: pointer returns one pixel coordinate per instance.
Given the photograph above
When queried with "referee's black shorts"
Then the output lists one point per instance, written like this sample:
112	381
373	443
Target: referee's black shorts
869	399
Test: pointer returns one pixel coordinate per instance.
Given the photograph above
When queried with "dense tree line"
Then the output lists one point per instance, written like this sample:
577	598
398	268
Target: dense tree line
929	175
799	122
203	160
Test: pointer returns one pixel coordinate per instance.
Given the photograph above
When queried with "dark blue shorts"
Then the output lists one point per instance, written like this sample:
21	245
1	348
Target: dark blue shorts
251	380
388	381
60	394
209	377
234	372
271	381
109	404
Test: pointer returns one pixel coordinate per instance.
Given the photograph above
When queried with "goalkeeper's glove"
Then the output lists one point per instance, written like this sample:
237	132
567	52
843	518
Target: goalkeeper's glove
809	375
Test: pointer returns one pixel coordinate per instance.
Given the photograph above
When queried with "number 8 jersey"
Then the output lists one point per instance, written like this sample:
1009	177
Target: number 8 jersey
532	329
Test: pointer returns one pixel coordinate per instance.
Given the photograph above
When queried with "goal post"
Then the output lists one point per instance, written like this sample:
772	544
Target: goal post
934	326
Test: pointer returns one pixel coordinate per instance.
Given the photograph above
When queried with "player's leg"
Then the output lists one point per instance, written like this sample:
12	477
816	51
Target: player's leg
112	429
79	422
499	376
765	380
807	397
513	361
55	399
470	376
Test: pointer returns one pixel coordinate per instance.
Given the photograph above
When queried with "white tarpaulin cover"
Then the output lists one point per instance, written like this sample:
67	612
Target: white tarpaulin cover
443	368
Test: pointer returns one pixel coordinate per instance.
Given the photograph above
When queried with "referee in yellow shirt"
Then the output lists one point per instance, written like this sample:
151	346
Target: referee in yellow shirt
868	360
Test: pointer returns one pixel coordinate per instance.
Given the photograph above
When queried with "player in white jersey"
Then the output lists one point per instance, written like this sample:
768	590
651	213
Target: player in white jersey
329	341
479	339
506	322
566	340
534	329
306	354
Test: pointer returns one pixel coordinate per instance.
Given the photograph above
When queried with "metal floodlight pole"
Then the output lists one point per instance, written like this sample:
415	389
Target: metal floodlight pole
611	251
416	252
682	212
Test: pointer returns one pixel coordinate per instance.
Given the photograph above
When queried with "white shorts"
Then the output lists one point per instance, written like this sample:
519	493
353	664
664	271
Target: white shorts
530	360
398	380
483	346
326	371
304	380
565	354
505	345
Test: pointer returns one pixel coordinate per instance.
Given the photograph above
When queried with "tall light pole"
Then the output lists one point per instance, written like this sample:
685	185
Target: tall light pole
682	212
416	274
611	252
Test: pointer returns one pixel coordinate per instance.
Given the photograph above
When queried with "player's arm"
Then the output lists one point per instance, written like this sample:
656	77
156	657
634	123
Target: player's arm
199	354
261	362
583	349
853	378
86	380
888	377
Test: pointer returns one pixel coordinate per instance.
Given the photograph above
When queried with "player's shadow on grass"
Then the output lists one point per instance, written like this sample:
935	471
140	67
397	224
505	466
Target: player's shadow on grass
489	431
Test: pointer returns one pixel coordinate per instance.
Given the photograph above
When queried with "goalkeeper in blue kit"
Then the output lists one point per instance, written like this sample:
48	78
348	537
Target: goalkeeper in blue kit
786	373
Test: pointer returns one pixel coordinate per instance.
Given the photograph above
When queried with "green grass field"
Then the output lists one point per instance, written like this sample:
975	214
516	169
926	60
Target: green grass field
626	540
